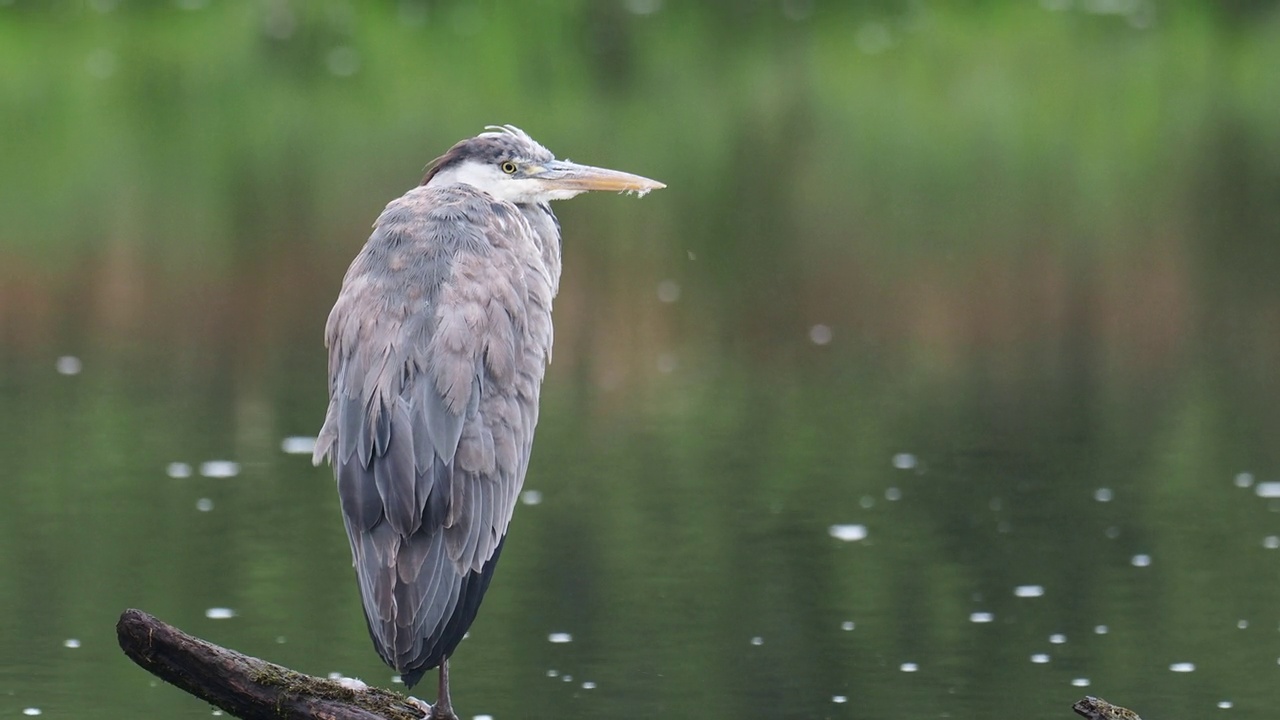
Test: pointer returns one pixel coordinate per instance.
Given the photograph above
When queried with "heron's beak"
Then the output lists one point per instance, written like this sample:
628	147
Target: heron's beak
575	178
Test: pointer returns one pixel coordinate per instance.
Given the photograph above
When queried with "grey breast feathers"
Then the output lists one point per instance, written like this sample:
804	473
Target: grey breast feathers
437	349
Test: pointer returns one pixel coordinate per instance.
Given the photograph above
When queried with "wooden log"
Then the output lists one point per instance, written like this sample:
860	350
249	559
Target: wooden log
247	687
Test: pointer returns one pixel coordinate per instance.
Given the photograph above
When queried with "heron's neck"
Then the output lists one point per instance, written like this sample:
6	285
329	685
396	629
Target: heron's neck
546	231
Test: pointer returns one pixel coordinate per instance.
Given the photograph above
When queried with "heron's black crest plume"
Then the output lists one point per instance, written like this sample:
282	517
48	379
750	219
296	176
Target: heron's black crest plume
502	142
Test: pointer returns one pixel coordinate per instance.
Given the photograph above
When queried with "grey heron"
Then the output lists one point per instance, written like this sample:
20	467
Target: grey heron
438	343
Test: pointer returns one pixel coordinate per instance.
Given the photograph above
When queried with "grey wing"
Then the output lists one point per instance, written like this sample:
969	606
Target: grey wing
435	365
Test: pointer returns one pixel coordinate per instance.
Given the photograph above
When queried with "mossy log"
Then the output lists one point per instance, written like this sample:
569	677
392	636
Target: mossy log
247	687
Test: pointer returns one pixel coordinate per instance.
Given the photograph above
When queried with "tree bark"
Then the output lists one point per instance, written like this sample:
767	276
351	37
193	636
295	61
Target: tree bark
247	687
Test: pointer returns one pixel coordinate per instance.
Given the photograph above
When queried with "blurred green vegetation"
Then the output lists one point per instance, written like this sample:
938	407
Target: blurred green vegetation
1042	236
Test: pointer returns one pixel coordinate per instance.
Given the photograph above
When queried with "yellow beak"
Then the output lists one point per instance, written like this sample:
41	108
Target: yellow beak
565	175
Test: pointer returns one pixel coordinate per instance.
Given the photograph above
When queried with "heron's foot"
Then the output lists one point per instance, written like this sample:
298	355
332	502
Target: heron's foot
433	712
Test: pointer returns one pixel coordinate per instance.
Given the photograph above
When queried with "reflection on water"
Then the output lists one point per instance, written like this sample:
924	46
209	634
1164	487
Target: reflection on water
942	376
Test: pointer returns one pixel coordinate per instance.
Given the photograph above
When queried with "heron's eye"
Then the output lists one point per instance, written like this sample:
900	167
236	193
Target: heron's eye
509	167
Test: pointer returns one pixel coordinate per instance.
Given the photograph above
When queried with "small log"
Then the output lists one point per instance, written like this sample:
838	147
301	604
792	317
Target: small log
247	687
1093	708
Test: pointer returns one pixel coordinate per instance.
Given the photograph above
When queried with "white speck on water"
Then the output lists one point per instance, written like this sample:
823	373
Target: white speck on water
848	533
1028	591
560	637
219	468
892	494
68	365
847	625
531	497
1243	480
908	667
1102	494
280	640
981	617
397	680
1242	624
643	7
219	613
1112	532
1080	682
567	678
351	683
334	676
1225	704
298	445
820	334
839	699
178	470
32	711
1183	667
757	640
204	504
1040	658
1100	630
217	713
668	291
1267	489
553	673
1271	542
904	461
71	643
1057	638
588	685
867	502
343	61
483	717
1141	560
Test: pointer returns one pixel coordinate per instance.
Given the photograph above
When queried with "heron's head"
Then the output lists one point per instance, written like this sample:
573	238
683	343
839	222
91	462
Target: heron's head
509	165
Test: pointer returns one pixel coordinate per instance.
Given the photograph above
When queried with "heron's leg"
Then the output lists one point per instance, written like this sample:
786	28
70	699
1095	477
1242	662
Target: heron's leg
443	709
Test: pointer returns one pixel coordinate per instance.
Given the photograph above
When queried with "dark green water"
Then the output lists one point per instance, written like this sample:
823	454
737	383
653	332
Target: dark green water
996	285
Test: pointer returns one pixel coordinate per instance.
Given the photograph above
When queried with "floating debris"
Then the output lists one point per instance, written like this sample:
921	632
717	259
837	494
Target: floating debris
904	461
68	365
1141	560
1267	489
1040	658
71	643
560	637
483	717
1100	629
892	494
1225	704
553	673
1243	480
32	711
1028	591
204	504
219	613
219	468
757	640
298	445
1080	682
848	533
981	617
1102	495
178	470
1183	667
1271	542
820	335
908	667
839	699
531	497
588	685
1242	624
567	678
847	625
1057	638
